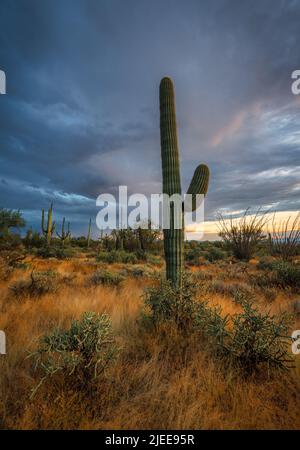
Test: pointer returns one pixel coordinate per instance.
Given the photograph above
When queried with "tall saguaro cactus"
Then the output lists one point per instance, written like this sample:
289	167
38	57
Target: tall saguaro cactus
65	235
174	238
48	229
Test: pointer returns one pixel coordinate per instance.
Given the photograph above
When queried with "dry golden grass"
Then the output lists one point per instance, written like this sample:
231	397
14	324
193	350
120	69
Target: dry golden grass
160	380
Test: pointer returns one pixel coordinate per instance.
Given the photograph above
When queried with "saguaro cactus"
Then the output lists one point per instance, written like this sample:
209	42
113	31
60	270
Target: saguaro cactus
174	238
65	235
50	228
88	239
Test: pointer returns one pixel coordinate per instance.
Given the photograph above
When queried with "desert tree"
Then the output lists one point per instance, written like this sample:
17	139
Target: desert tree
10	219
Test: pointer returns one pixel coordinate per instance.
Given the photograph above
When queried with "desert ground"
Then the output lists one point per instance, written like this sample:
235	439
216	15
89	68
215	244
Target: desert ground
162	378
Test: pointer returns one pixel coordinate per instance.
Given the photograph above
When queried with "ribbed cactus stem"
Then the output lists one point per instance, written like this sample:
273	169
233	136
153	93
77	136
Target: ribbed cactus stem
173	238
89	233
64	234
48	229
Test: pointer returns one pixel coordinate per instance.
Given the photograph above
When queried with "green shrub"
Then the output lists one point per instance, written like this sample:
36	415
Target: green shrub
56	252
248	340
106	277
216	254
169	302
266	263
40	283
81	353
281	274
287	274
117	256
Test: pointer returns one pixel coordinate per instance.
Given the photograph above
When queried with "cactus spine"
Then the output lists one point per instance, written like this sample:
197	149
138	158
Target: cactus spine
65	235
88	240
174	238
49	229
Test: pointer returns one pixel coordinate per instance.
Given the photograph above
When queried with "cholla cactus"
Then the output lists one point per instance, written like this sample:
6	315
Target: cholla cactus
65	235
50	228
174	238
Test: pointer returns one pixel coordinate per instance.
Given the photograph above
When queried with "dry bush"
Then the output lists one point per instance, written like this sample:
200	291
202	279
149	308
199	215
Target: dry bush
284	238
40	283
242	235
106	277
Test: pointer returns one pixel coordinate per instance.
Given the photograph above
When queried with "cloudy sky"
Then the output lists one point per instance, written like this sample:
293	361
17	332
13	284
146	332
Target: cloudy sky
81	113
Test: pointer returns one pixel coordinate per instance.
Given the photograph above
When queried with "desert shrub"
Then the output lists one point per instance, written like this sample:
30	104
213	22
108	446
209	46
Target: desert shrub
55	252
282	274
216	254
284	239
153	259
106	277
168	302
139	271
242	235
81	353
270	294
131	258
287	274
201	275
249	339
265	263
40	283
117	256
259	338
192	255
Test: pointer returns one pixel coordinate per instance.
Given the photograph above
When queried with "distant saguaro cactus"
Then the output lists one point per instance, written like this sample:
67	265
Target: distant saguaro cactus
88	239
174	238
64	235
49	229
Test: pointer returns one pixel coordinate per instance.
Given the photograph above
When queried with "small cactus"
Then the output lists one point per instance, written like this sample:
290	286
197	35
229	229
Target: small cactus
48	229
64	235
174	238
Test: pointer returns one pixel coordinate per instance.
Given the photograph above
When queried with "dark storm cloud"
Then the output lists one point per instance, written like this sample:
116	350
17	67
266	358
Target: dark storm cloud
81	112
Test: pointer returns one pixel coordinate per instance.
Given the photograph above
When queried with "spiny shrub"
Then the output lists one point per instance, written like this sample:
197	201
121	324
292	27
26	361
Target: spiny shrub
281	274
266	263
117	256
40	283
287	274
169	302
80	354
140	271
247	340
56	252
106	277
216	254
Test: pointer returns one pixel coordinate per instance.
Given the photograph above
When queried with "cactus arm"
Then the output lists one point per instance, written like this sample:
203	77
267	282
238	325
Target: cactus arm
44	230
199	183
